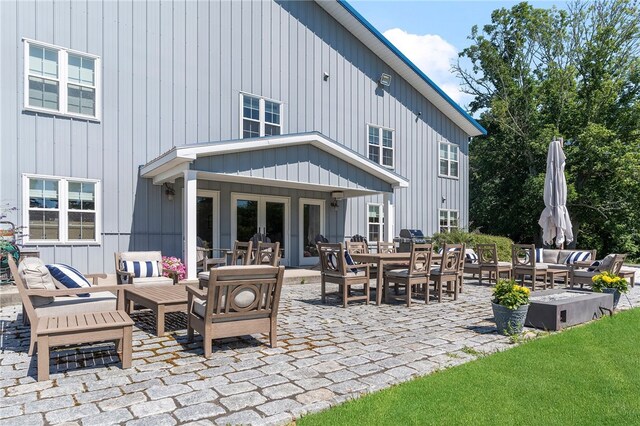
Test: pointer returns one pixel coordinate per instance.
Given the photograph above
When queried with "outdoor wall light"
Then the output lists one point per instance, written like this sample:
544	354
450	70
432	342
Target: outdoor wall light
334	203
385	80
325	76
169	191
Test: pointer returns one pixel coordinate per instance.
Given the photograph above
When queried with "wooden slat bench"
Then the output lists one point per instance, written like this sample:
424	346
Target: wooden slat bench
83	328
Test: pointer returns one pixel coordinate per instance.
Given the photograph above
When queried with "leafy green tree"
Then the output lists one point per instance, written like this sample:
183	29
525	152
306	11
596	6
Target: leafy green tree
537	74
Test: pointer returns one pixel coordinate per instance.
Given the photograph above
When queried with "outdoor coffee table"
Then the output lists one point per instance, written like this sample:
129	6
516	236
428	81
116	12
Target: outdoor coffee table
160	299
552	274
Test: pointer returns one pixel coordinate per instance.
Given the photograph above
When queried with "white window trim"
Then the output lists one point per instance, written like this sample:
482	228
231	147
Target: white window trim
63	191
449	161
261	118
393	144
381	223
449	227
63	82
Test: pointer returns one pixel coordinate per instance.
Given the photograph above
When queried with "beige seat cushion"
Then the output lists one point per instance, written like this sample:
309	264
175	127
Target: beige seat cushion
138	282
36	276
539	266
402	273
584	273
550	255
100	301
470	267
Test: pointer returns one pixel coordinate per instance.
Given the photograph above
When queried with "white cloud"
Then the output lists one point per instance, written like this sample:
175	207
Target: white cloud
434	56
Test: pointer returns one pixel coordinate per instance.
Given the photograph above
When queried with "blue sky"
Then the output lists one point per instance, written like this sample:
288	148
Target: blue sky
431	33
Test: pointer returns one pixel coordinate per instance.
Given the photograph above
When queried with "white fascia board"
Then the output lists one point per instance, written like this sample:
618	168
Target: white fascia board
166	161
170	175
281	183
312	139
362	33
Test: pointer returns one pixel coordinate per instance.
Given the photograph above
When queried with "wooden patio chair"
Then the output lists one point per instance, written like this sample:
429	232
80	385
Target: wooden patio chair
416	275
523	263
449	271
242	252
334	269
267	254
131	268
386	247
59	317
238	300
488	261
611	263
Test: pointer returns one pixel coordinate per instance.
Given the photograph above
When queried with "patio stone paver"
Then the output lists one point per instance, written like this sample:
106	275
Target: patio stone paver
326	355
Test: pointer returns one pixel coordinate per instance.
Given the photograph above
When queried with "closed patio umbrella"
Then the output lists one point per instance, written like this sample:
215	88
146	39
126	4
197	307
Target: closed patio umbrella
554	220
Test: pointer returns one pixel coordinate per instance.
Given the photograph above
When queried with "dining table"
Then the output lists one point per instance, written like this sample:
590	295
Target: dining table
388	259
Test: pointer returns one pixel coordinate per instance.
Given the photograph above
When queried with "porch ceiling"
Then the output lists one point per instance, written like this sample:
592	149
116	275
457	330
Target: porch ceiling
239	161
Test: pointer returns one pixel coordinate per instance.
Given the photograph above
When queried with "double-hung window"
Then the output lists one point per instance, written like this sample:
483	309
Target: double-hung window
61	210
448	220
374	222
61	81
449	160
260	116
381	145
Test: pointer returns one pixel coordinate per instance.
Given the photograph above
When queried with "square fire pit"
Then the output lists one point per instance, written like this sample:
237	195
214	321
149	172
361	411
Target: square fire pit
557	309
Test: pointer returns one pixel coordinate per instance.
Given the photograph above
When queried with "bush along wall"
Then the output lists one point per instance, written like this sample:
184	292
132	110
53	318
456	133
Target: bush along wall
471	239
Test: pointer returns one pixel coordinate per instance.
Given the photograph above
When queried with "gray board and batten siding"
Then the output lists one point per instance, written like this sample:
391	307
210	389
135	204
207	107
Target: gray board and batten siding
172	74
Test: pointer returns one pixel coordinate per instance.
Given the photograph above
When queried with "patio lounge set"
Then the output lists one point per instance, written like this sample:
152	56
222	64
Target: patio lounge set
243	298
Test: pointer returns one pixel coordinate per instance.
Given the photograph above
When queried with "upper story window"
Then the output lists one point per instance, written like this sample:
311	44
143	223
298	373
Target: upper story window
61	210
61	81
449	160
448	220
381	145
260	117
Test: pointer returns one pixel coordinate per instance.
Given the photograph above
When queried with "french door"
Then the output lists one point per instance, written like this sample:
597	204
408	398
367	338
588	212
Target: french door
208	219
269	215
311	221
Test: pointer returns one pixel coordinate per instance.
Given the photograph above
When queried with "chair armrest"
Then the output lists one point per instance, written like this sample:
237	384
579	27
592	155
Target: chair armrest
124	276
94	277
199	293
582	264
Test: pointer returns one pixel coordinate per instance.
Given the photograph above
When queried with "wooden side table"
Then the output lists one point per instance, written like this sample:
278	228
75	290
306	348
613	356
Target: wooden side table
160	299
552	274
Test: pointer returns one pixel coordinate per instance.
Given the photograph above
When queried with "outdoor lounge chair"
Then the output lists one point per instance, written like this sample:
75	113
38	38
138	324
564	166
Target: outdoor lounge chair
416	275
237	300
611	263
334	269
141	268
523	262
59	316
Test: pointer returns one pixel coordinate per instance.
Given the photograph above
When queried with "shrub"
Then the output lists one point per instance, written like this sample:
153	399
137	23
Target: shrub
510	295
471	239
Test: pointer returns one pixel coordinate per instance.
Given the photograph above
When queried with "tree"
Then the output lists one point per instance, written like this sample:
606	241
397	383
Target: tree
540	73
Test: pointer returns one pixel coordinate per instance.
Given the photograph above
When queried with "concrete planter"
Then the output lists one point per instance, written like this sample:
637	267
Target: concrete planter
616	295
509	321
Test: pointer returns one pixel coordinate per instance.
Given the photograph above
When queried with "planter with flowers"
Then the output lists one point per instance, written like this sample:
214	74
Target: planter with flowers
607	282
173	267
510	306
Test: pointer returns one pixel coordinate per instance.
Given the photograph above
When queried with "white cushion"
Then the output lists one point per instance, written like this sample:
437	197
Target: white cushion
550	255
141	255
100	301
152	281
36	276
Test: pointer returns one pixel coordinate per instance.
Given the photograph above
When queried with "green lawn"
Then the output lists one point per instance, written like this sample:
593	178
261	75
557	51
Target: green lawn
588	375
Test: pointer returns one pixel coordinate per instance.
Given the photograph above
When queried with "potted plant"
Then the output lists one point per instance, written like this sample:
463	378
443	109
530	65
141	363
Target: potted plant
173	267
510	306
607	282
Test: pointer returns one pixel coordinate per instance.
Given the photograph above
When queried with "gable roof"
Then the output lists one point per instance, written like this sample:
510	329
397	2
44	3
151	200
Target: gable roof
355	23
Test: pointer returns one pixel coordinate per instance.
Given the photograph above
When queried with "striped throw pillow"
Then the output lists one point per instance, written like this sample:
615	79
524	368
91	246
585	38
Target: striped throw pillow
577	256
594	266
471	257
69	277
539	252
350	261
141	268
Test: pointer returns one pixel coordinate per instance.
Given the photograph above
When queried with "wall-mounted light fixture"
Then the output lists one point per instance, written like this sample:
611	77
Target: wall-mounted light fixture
444	199
325	76
385	80
169	190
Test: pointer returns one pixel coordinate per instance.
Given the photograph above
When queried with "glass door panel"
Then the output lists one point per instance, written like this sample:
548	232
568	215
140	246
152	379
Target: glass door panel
247	219
311	224
275	223
204	222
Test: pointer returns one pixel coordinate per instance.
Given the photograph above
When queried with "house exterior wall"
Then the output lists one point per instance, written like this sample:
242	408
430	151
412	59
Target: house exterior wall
172	74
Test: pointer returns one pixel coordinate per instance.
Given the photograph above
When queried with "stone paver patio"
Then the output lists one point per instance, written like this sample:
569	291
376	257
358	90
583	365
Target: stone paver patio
326	355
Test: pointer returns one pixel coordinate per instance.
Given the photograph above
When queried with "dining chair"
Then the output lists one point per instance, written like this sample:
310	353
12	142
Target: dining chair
334	269
488	261
267	254
242	252
416	275
523	263
449	271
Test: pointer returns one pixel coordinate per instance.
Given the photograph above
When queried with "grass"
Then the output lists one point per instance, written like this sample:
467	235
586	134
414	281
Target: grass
586	375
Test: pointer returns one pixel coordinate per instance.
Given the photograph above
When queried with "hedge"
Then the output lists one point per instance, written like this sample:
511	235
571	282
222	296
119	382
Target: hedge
471	239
